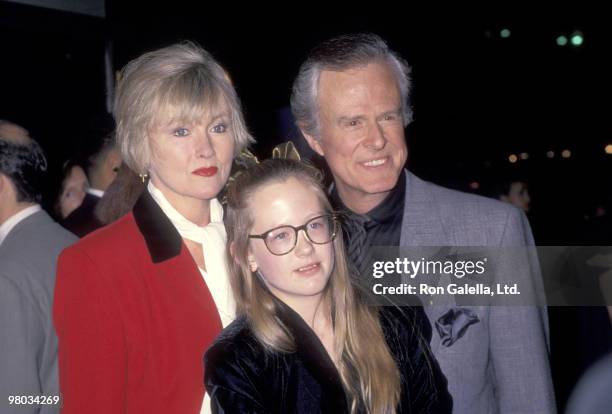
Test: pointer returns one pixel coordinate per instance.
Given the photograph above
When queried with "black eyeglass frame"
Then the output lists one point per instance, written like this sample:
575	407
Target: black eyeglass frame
333	217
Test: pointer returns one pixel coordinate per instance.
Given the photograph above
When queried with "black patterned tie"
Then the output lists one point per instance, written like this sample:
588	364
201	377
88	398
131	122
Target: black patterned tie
357	236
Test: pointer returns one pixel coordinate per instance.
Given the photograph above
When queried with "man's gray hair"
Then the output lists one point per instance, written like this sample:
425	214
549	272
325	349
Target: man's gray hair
339	54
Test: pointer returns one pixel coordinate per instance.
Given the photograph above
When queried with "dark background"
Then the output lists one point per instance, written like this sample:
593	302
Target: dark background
477	97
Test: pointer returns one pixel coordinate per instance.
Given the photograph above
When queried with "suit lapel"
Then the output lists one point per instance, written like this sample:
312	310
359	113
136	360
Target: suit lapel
163	240
164	243
422	224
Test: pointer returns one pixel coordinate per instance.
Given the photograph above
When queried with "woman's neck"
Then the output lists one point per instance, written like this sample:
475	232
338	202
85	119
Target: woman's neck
193	209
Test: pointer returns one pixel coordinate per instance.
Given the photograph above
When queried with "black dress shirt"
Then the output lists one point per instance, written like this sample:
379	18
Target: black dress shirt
380	226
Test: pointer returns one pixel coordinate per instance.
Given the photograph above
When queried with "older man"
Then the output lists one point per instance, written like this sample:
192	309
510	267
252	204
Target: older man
350	100
30	242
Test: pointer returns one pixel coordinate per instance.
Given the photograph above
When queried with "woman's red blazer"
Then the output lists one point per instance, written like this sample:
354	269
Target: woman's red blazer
134	317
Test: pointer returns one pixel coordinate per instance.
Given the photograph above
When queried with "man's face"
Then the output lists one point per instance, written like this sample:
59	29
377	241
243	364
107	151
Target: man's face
361	133
519	196
74	189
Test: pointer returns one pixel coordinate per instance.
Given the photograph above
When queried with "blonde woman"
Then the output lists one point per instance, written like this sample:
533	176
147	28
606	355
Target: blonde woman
138	302
303	342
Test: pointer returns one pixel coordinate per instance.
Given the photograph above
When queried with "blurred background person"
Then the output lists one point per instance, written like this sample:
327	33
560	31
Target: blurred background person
102	160
518	195
103	165
512	190
30	242
73	189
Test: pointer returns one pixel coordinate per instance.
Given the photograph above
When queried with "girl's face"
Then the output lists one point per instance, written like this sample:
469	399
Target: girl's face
305	270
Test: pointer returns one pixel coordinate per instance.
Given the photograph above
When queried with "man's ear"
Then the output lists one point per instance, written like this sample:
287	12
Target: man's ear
314	143
7	188
5	183
113	161
504	198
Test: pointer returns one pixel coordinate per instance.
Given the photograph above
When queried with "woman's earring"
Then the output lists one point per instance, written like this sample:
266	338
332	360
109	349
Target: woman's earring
143	177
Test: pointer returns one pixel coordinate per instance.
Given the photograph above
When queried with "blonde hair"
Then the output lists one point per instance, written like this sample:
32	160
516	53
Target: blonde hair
182	81
370	376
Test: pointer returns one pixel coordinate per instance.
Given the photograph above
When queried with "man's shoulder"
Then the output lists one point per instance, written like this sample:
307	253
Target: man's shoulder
37	234
31	249
447	196
436	215
456	204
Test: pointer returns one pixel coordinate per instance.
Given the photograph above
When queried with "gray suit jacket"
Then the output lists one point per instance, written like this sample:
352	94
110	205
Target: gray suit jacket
500	364
28	345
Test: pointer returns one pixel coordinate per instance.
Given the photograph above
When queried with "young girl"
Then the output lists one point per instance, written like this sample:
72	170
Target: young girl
304	341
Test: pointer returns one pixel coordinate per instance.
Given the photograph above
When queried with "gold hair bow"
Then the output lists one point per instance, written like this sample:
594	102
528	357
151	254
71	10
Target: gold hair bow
246	159
286	151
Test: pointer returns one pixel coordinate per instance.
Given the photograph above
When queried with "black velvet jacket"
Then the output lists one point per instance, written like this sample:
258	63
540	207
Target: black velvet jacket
243	377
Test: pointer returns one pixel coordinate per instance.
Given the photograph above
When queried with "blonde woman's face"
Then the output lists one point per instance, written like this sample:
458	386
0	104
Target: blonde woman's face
304	271
192	161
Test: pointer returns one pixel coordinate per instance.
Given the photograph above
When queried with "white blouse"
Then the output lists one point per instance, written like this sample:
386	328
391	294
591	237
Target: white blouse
213	239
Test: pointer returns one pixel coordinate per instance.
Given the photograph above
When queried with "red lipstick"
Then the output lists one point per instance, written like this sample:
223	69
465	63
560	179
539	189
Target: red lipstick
205	171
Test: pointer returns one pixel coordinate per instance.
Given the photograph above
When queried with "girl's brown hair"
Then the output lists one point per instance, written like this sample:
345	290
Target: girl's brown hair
369	374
